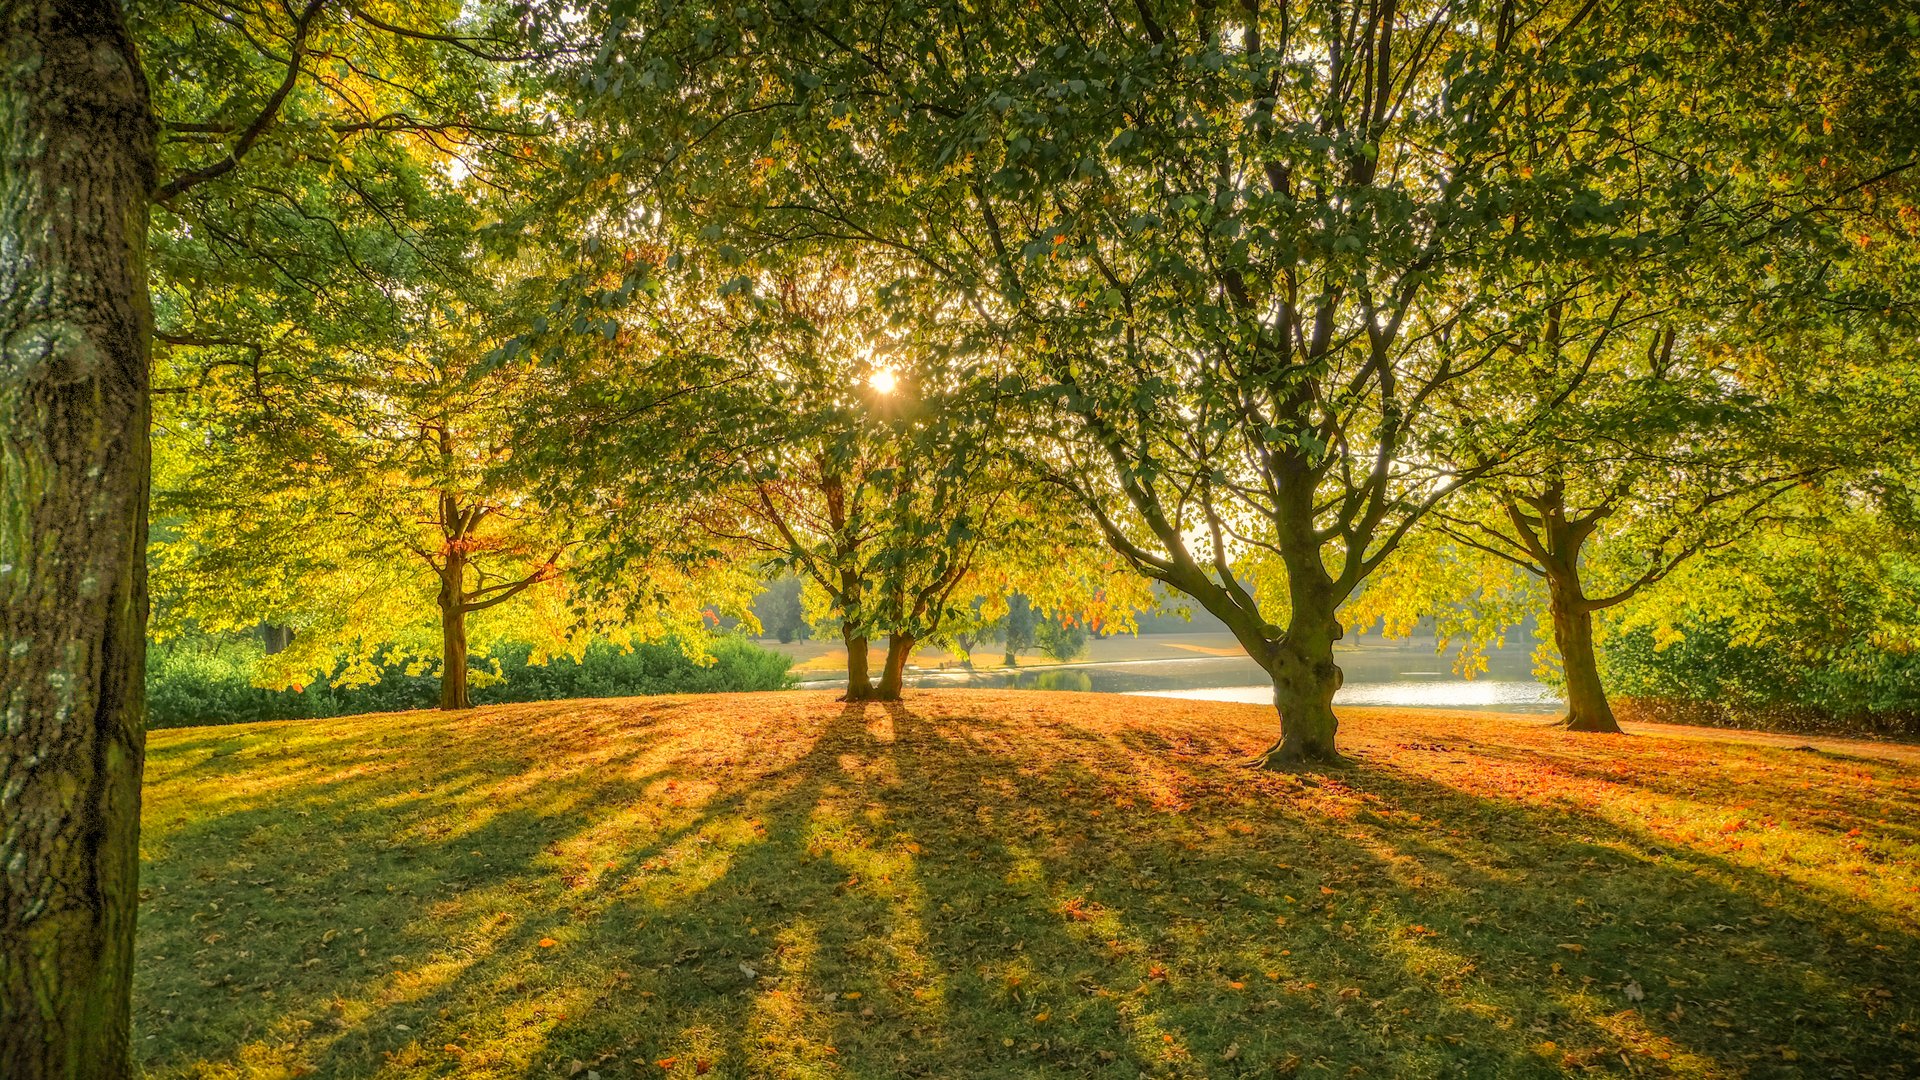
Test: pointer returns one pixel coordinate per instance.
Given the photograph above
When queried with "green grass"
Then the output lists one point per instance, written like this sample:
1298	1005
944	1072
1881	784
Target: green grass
987	884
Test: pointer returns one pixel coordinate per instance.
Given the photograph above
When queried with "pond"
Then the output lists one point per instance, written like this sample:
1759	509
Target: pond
1393	674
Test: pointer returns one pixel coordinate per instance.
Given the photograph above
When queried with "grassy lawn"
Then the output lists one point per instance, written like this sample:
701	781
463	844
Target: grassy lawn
990	884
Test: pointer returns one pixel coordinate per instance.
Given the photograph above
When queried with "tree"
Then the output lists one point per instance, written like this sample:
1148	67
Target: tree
1638	487
1019	629
76	164
1241	254
1061	639
864	462
376	507
80	173
778	609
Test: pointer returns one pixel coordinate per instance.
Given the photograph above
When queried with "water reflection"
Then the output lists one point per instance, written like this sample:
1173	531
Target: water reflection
1502	694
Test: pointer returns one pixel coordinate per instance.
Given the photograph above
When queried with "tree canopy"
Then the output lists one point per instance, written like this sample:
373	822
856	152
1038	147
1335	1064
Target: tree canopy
585	320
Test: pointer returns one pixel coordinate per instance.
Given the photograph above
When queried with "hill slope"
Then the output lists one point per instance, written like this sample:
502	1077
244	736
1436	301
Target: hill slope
1016	884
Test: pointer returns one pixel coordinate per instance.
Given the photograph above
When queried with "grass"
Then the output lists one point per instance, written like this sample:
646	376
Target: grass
999	884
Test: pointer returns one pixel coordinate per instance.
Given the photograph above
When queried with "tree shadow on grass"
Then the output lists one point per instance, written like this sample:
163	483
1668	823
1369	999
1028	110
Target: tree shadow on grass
279	916
938	890
1508	928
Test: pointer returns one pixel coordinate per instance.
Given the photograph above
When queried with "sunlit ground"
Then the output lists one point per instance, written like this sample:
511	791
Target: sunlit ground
1003	884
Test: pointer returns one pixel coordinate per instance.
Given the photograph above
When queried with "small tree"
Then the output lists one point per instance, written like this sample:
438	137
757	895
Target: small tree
375	509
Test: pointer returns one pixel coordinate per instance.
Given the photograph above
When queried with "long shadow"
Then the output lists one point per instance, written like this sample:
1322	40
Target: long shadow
1165	939
230	957
677	944
930	890
1537	908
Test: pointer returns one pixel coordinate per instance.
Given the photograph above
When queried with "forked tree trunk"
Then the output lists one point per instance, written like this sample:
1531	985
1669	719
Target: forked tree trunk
453	634
76	166
1587	705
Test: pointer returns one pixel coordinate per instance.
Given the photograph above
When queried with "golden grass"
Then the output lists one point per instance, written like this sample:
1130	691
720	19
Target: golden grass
997	884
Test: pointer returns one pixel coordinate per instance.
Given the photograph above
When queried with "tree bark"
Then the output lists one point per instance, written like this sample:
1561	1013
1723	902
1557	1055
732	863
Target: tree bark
894	676
76	166
859	682
1587	705
275	639
453	633
1554	540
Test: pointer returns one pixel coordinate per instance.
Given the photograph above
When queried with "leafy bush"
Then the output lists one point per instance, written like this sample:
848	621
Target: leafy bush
1799	630
198	683
211	682
1707	676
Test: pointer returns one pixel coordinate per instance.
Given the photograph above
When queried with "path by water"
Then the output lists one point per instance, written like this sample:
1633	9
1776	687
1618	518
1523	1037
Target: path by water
1211	667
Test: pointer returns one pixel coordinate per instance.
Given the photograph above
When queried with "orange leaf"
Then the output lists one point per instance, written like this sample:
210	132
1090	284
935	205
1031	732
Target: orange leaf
547	943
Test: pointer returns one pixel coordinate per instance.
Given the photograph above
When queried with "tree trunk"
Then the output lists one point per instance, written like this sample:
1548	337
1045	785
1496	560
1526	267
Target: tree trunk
859	683
1305	678
76	166
453	634
275	639
1587	706
893	677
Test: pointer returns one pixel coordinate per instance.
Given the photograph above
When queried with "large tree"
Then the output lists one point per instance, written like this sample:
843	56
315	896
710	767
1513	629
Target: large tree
1241	253
79	172
76	167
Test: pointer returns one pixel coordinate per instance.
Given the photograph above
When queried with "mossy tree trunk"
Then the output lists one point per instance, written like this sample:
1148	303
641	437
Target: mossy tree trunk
1305	676
76	169
1587	705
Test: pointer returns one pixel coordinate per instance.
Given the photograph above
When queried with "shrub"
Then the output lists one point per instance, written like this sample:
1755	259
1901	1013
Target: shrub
1709	676
210	682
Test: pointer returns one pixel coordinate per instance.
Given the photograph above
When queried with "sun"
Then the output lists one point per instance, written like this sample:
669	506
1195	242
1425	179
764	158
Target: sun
883	380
